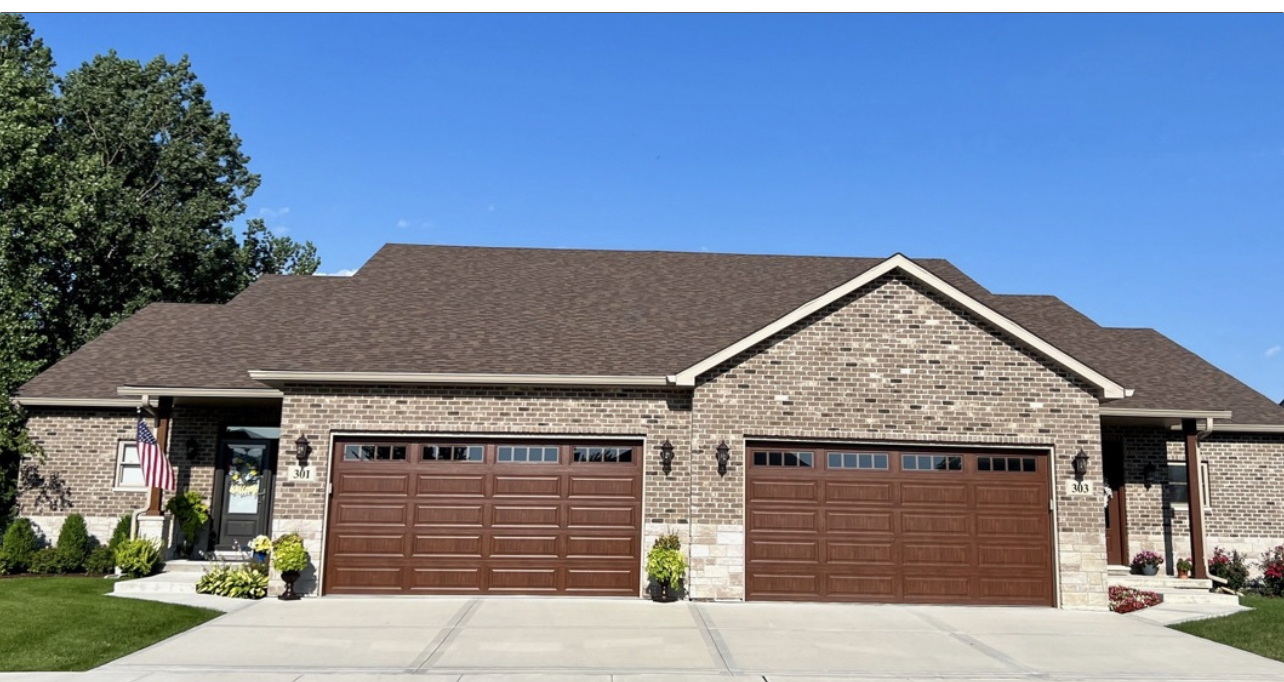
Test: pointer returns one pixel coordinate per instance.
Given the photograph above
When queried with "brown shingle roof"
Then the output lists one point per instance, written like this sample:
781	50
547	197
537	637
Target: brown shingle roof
556	311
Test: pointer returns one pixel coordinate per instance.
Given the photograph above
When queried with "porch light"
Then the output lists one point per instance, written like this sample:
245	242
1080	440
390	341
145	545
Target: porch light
666	456
193	448
1080	463
723	453
302	449
1148	475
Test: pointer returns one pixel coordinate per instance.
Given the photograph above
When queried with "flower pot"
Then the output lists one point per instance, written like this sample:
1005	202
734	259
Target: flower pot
289	594
663	592
260	557
1149	569
1183	574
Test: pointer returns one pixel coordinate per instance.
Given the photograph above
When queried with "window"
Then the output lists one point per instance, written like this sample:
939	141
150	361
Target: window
858	460
533	454
596	454
374	453
455	453
931	463
782	459
1018	464
1178	490
129	472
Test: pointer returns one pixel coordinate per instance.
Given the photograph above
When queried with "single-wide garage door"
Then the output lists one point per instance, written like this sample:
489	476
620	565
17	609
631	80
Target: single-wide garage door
438	516
835	523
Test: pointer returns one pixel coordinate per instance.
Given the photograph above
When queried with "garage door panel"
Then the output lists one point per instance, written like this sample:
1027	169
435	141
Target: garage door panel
885	534
450	515
368	579
617	547
523	580
447	546
450	486
528	516
838	492
445	578
380	483
858	522
372	514
604	487
528	486
367	544
784	490
602	517
599	581
524	546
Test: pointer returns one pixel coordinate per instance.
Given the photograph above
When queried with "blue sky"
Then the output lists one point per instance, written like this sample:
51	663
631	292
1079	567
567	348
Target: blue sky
1132	165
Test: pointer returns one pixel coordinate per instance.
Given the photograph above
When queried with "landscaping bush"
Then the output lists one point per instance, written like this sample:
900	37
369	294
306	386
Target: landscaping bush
139	557
121	533
73	544
192	514
1273	571
48	561
288	553
665	563
101	560
1230	567
244	582
1128	599
19	547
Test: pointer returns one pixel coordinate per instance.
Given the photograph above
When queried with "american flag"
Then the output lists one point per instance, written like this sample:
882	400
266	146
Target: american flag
157	473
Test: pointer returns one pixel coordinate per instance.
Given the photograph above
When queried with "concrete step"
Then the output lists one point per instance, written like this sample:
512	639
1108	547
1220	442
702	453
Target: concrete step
1155	583
1114	569
161	583
1194	597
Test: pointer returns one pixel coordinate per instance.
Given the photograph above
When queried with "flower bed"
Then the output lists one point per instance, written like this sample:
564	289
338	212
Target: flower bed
1128	599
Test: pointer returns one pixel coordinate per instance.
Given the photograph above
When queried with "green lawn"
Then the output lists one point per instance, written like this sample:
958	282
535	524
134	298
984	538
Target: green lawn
1260	631
70	623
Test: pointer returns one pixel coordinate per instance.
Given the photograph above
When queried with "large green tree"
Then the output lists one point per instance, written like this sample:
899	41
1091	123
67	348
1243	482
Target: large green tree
119	185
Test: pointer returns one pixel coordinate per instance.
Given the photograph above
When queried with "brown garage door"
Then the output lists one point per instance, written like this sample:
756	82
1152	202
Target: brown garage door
438	516
833	523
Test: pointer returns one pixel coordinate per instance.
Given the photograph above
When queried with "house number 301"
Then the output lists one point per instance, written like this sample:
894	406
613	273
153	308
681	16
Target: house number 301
1079	487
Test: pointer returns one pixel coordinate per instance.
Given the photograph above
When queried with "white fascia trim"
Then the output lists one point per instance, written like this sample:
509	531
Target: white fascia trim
273	376
1110	389
200	392
1251	428
75	402
1166	414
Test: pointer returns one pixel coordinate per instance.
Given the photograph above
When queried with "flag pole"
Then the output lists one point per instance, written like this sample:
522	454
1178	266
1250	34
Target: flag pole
164	411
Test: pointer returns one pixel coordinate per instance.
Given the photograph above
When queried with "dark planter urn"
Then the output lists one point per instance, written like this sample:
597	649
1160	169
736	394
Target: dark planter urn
1149	569
289	594
664	592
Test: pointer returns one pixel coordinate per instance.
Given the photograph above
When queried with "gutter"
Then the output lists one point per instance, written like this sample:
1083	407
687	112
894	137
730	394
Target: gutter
199	392
73	402
274	377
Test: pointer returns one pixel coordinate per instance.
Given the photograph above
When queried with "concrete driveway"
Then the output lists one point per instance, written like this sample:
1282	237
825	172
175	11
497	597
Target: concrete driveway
599	640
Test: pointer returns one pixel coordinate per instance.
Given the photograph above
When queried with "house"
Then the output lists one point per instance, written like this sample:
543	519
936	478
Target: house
526	421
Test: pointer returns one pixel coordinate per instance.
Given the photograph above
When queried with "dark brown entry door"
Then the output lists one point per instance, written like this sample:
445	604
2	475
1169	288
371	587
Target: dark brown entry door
1116	504
834	523
477	517
244	482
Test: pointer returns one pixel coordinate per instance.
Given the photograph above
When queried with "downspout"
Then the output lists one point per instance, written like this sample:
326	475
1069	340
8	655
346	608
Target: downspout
1207	430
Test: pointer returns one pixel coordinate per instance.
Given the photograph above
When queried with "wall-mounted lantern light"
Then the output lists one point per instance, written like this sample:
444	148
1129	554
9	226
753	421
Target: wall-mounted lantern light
723	453
1080	463
193	448
666	456
302	449
1148	475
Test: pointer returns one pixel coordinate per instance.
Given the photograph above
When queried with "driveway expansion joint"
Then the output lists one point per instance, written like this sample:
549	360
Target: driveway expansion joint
713	639
436	647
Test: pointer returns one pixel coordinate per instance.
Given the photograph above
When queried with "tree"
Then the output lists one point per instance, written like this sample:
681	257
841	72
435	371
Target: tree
119	184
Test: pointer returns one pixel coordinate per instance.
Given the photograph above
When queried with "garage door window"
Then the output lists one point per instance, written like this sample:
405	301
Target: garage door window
373	453
527	454
783	459
603	455
858	460
453	453
931	463
1017	464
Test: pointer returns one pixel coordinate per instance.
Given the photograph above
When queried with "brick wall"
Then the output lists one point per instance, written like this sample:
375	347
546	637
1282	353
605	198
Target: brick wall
890	362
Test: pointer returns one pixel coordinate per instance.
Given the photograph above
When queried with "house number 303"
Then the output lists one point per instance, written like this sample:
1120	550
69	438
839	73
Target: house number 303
1079	487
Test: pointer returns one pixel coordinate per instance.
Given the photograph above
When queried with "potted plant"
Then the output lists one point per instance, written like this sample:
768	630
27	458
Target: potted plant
666	567
192	514
1146	563
290	558
1184	567
261	546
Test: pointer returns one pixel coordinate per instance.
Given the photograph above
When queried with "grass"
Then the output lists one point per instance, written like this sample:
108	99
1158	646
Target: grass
1260	631
68	623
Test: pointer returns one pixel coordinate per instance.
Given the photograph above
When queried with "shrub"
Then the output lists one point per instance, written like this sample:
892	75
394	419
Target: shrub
1273	571
139	557
100	560
1229	567
1128	599
74	544
288	553
665	563
244	582
48	561
19	547
192	514
122	532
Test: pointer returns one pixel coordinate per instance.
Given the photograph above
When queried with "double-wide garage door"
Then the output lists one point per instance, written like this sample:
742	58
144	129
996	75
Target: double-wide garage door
438	516
834	523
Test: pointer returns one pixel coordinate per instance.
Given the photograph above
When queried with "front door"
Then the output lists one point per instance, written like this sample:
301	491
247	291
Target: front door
1116	504
244	482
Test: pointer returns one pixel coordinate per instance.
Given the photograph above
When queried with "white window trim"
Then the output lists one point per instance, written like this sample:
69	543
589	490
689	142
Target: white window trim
119	468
